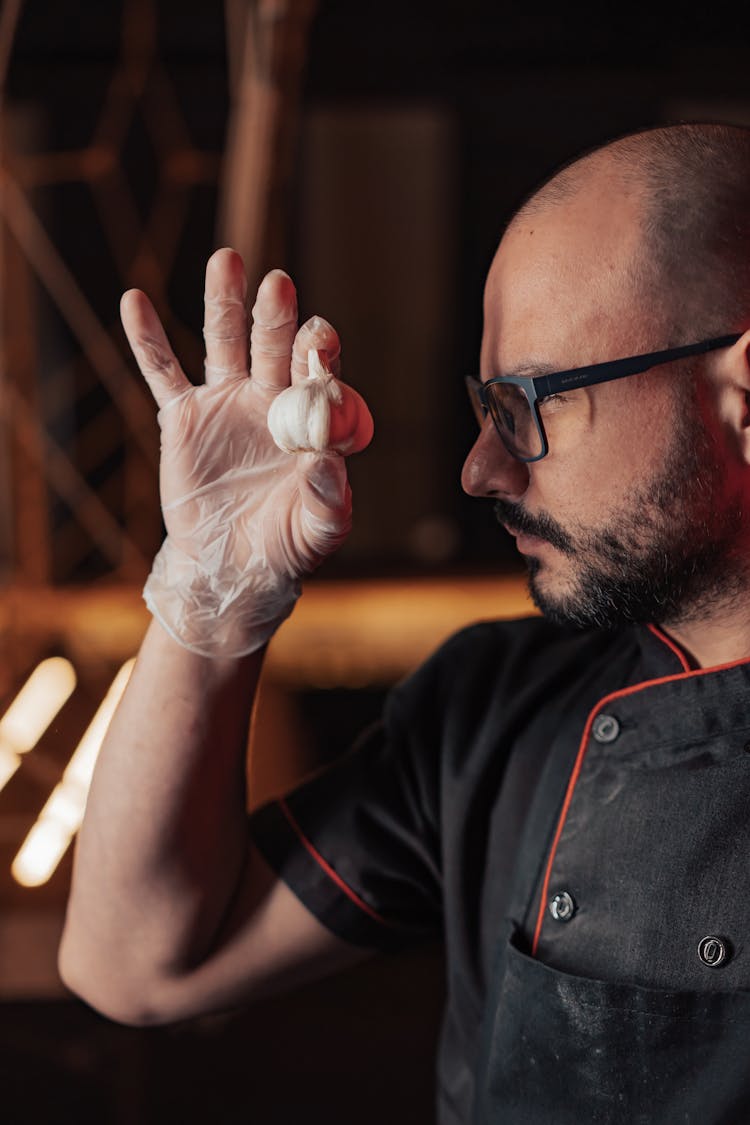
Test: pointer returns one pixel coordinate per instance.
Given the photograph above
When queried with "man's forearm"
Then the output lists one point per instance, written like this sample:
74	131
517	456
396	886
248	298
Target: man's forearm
171	912
163	843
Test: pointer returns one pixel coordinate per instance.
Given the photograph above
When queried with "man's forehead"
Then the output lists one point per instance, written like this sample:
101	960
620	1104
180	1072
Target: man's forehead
599	228
561	272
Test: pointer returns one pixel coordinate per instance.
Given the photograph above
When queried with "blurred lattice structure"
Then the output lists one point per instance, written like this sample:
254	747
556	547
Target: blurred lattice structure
121	190
122	139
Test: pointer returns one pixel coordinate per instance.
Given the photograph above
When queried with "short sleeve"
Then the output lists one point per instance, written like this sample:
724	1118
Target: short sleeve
358	843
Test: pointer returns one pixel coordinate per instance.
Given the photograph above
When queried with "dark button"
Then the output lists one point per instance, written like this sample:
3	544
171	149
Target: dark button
606	728
562	907
713	951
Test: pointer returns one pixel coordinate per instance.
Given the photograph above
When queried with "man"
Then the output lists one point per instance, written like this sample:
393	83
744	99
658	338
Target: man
565	798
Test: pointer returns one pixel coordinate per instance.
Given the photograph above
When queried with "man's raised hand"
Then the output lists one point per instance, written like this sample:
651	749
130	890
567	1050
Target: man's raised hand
244	520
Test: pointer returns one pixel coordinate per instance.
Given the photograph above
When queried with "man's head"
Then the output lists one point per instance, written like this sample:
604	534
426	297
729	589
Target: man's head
636	512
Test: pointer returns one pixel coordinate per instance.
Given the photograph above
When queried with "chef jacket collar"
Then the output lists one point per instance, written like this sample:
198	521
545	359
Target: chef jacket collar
661	654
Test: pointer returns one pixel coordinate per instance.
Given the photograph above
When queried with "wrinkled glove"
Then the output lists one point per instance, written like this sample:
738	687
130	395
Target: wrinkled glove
244	520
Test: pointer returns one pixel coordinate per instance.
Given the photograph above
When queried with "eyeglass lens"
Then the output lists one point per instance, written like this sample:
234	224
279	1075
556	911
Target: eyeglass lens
512	414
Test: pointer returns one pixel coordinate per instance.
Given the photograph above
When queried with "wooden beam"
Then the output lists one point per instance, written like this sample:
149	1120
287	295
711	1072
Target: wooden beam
262	129
341	634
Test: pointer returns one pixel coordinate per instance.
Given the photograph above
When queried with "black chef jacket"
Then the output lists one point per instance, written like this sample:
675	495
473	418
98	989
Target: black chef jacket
570	811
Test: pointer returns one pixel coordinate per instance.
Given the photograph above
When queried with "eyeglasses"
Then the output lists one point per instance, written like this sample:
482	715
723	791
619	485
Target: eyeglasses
512	401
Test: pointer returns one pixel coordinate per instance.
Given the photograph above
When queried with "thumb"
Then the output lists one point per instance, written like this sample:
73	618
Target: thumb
326	499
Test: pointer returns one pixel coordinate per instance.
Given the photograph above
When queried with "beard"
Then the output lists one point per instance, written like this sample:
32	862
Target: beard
669	555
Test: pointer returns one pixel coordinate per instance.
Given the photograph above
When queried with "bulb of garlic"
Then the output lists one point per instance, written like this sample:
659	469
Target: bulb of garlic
319	413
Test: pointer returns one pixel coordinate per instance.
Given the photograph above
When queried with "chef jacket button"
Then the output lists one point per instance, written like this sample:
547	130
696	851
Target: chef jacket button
562	906
713	951
606	728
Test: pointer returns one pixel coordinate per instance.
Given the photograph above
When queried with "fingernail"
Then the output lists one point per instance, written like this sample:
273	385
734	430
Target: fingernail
225	273
326	475
275	302
317	325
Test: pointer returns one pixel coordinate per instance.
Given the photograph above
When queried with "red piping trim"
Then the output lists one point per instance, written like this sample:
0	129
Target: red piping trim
689	674
671	645
328	869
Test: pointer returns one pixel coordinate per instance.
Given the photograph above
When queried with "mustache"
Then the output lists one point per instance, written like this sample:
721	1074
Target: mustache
542	526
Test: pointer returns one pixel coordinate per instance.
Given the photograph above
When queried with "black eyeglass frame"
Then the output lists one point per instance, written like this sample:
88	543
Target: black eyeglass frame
538	387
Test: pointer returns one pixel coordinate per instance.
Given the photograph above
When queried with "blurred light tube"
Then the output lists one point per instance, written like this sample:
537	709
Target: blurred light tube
48	687
59	820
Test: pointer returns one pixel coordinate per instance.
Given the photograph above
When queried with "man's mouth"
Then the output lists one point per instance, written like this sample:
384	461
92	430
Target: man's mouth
520	529
517	532
524	541
531	532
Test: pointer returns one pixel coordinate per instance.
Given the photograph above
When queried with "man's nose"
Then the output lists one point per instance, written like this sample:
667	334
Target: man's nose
489	470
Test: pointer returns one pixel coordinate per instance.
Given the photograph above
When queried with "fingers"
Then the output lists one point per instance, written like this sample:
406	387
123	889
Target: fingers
151	348
315	333
274	326
276	347
225	318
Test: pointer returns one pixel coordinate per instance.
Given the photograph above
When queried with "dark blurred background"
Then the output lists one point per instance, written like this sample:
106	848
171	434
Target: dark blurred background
375	153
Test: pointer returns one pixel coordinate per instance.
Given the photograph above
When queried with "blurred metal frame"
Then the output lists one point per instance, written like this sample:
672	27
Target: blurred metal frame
267	47
266	44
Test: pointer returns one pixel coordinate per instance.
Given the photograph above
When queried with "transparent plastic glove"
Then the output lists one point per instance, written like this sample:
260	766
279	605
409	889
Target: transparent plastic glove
245	521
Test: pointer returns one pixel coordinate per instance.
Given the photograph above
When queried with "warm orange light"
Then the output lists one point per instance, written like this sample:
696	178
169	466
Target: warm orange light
31	712
59	820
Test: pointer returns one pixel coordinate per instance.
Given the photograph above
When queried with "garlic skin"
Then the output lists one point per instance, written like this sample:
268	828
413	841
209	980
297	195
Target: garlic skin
319	414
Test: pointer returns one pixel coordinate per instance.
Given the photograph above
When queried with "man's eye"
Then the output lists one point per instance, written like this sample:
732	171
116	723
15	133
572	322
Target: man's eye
552	402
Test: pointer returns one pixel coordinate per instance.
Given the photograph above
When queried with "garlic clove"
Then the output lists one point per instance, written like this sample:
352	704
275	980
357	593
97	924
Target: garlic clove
319	413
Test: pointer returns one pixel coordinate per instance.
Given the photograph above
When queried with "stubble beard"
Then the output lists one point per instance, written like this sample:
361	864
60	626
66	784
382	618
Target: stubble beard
669	556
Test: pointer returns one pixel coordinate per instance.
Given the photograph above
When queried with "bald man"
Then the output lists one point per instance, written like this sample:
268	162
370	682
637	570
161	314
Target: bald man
564	799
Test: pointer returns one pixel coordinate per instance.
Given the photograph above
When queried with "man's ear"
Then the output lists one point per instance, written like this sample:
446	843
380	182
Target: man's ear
733	372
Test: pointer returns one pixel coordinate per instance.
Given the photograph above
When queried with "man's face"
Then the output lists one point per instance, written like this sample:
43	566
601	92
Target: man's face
634	512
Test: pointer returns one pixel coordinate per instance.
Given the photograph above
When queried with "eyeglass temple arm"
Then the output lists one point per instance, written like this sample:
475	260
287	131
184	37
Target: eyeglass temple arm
618	368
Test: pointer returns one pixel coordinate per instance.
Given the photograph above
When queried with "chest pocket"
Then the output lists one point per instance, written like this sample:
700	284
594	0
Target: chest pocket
569	1050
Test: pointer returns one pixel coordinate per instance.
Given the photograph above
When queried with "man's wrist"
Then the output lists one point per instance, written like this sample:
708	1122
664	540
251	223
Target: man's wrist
216	614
